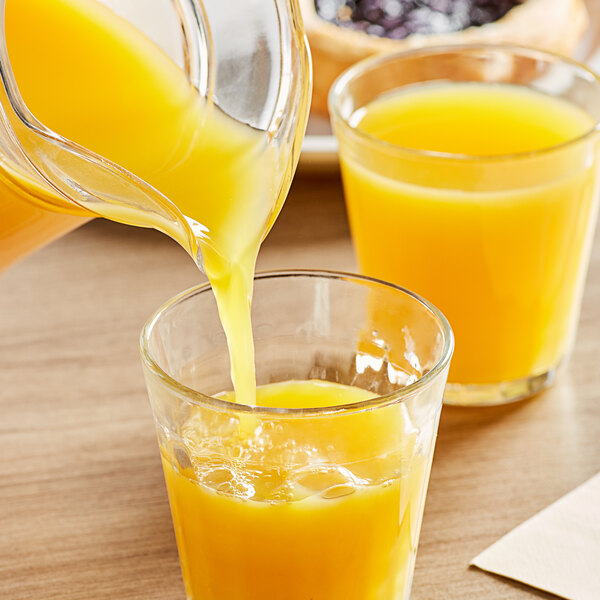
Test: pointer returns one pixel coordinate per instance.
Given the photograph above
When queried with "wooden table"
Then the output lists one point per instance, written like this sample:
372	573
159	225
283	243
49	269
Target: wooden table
83	507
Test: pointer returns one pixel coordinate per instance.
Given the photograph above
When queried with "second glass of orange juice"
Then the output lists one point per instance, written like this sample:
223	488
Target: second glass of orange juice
471	177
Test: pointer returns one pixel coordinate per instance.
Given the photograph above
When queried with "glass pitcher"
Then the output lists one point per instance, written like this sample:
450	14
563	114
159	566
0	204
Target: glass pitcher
83	136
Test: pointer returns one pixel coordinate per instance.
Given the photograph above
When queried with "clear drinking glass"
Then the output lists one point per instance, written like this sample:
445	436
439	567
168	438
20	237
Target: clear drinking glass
303	502
500	243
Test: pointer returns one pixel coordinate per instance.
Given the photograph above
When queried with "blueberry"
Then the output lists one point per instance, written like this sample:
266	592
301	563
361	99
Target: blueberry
397	19
377	30
398	33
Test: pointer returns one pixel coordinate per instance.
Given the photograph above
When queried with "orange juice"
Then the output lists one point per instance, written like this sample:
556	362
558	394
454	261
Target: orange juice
96	80
493	230
260	514
24	226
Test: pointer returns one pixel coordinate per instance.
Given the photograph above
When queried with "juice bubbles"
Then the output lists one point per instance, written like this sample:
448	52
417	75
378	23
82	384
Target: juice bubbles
451	192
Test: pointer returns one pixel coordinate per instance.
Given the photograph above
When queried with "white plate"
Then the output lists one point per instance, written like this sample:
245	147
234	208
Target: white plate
319	150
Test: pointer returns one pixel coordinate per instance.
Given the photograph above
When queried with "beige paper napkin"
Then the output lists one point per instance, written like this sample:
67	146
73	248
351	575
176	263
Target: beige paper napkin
557	550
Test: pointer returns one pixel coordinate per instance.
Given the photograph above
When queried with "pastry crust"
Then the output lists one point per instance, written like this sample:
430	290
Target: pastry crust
555	25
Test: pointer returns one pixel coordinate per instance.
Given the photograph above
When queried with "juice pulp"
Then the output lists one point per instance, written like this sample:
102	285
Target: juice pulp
96	80
498	244
326	508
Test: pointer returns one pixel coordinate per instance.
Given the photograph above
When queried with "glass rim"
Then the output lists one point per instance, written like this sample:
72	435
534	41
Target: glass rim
370	62
200	399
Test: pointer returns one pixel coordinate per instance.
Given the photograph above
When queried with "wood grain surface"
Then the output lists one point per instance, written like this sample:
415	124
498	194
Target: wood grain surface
83	507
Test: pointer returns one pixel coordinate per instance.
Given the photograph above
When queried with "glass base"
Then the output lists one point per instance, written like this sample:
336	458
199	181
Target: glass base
492	394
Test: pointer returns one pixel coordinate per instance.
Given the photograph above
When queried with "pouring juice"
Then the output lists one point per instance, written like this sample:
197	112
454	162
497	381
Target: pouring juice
106	87
110	89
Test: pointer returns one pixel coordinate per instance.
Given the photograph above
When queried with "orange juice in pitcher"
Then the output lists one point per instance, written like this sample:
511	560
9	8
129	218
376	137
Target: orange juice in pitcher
89	75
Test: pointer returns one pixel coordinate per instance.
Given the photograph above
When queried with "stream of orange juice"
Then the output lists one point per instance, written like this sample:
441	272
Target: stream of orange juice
501	259
350	528
251	526
96	80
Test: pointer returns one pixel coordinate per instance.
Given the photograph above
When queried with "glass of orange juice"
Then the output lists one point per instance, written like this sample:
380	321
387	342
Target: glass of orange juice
471	177
317	491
